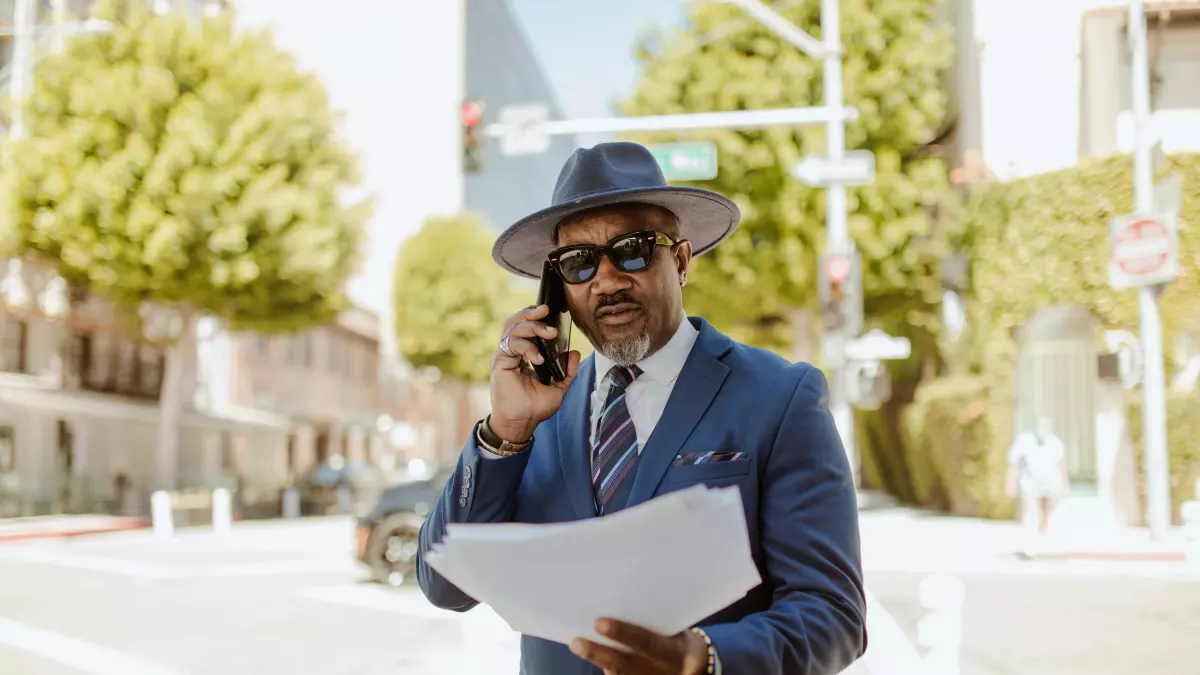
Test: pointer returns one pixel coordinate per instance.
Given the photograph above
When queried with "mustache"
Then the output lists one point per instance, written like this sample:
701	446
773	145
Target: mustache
614	299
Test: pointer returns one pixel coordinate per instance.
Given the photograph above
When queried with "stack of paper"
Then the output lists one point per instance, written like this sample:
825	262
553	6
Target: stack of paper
664	565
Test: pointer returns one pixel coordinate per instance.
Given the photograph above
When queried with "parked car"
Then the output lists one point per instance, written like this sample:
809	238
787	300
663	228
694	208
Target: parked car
386	539
320	487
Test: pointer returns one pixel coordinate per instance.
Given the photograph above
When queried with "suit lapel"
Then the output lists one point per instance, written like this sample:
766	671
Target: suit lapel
698	383
573	427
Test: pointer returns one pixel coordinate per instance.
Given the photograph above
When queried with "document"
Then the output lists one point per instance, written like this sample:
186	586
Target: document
664	565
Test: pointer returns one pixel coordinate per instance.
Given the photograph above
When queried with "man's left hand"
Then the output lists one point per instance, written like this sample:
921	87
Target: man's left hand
648	653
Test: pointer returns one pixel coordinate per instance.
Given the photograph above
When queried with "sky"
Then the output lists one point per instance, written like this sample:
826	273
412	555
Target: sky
586	47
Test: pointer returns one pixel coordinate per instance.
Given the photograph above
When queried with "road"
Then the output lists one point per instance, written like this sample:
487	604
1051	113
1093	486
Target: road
284	597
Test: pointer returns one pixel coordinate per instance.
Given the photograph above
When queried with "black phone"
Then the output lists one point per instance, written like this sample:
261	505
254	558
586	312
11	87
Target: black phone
551	293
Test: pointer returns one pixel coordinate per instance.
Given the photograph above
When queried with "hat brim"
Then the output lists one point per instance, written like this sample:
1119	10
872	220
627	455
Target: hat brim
706	219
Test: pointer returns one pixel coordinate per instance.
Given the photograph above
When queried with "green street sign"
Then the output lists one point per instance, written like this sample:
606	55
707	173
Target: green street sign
686	161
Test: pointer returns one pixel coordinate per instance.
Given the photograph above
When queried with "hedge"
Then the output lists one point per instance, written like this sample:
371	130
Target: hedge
958	432
1183	446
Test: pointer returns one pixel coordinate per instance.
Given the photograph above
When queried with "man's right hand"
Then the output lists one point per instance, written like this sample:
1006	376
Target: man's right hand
519	401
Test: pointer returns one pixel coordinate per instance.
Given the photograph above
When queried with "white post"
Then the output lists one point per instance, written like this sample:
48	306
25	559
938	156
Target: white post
1154	403
59	7
24	16
835	210
222	510
941	629
1191	529
291	503
161	517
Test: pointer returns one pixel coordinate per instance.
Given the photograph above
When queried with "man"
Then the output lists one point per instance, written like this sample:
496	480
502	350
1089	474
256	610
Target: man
1037	469
666	402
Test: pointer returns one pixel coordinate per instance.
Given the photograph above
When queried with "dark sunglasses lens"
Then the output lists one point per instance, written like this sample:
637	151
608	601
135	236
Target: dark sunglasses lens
633	254
577	266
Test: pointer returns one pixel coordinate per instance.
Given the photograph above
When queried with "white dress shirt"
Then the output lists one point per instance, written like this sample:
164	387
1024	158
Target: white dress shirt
646	397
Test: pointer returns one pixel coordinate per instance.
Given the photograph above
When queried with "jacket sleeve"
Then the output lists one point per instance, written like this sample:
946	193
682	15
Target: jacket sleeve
809	518
479	491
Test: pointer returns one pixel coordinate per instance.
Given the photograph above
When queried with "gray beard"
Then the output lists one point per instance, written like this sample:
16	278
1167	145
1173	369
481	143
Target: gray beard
627	351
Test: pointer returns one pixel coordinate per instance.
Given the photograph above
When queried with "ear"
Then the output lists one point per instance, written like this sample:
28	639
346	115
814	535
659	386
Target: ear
682	253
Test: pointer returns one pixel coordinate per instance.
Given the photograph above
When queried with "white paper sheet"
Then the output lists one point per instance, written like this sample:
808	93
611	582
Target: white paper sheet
665	565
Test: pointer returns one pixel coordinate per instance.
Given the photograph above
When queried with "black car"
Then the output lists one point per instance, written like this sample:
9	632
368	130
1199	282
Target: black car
387	536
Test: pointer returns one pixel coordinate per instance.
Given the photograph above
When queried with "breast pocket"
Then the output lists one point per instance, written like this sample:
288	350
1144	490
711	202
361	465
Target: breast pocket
712	471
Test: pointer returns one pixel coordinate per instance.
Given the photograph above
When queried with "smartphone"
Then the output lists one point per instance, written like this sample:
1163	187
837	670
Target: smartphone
551	293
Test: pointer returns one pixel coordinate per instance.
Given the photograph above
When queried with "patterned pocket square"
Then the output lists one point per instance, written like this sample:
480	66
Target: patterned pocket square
710	457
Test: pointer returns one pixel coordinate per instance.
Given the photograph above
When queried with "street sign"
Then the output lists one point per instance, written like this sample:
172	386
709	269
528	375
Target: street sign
856	168
1143	250
686	161
524	129
878	345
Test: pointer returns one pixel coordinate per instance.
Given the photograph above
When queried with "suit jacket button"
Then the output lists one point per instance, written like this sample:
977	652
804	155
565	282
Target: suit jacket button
462	501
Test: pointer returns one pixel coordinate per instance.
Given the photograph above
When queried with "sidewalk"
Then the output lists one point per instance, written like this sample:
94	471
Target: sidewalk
913	540
57	527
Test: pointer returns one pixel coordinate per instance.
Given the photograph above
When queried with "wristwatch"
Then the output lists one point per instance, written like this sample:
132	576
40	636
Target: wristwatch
493	443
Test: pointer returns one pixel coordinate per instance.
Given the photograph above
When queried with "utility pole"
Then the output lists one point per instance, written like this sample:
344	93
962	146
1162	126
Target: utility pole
1154	406
24	18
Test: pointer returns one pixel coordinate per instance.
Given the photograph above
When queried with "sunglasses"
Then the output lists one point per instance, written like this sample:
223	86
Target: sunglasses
633	252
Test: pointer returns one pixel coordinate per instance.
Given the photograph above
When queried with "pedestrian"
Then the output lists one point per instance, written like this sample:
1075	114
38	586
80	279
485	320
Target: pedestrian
665	401
1037	473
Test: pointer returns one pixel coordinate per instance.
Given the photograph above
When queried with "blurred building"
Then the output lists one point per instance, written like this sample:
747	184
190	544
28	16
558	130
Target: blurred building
1039	87
1043	85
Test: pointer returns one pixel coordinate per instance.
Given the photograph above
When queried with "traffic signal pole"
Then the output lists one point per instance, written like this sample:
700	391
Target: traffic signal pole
1154	405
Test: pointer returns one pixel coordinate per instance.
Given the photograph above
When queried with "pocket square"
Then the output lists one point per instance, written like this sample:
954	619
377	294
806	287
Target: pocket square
710	457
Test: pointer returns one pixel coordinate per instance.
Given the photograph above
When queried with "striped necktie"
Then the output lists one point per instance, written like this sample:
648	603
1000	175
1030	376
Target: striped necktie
614	449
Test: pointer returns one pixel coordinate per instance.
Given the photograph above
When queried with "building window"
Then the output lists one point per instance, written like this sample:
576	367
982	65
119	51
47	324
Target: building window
336	352
12	350
262	346
102	363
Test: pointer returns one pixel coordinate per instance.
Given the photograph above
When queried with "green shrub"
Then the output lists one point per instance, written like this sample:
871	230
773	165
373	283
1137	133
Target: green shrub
958	431
1183	446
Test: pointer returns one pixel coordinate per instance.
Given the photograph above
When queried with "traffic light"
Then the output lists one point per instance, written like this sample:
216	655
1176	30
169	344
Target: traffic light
839	289
472	145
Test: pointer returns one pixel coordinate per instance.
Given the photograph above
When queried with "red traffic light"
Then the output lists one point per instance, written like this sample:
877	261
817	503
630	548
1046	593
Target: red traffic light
837	269
472	112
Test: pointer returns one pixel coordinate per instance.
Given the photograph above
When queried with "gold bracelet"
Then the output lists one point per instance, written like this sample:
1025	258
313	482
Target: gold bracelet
505	449
712	651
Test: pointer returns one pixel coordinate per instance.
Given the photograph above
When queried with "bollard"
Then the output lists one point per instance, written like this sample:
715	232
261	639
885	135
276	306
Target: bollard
344	505
161	517
222	510
291	503
941	629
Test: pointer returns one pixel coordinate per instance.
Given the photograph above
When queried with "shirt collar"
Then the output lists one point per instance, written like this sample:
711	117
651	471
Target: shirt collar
664	365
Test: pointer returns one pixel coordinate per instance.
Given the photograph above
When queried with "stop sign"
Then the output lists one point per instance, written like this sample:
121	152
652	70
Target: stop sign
1143	247
1142	250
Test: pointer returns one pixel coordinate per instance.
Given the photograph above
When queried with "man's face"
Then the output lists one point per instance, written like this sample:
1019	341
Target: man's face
627	315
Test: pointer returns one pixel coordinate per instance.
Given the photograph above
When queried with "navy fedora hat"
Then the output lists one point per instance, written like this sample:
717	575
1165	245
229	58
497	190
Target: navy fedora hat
611	173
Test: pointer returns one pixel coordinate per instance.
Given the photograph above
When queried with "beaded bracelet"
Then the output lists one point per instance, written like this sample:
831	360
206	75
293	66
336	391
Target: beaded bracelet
712	651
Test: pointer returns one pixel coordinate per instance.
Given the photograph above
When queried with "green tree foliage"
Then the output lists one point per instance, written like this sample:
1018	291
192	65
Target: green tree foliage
451	299
1043	241
184	164
896	56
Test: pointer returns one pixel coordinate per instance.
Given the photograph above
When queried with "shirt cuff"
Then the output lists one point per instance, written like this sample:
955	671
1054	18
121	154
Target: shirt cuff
484	453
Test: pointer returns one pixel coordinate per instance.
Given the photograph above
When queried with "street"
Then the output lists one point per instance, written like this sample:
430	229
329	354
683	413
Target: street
285	597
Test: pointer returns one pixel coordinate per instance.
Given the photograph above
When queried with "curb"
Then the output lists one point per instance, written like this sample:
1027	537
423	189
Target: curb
134	524
1120	556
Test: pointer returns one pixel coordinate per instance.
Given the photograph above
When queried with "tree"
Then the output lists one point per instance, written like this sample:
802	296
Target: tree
451	298
184	166
896	57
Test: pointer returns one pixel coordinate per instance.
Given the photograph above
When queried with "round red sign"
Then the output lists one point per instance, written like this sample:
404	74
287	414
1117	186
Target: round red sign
1142	247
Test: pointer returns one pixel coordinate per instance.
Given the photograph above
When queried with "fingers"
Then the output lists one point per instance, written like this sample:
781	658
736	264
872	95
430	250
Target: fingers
610	659
659	648
528	329
527	314
521	349
572	369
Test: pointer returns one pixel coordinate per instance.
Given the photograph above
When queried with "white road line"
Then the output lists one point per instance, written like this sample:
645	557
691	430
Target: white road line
87	562
84	656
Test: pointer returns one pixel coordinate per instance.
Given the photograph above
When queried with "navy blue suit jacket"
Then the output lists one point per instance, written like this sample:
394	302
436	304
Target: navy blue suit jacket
808	617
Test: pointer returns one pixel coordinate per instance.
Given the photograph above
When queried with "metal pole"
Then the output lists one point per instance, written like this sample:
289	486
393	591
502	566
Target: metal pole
835	211
24	14
1154	404
60	16
738	119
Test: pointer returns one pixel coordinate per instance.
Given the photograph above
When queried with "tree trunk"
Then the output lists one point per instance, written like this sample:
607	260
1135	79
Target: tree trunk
170	405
